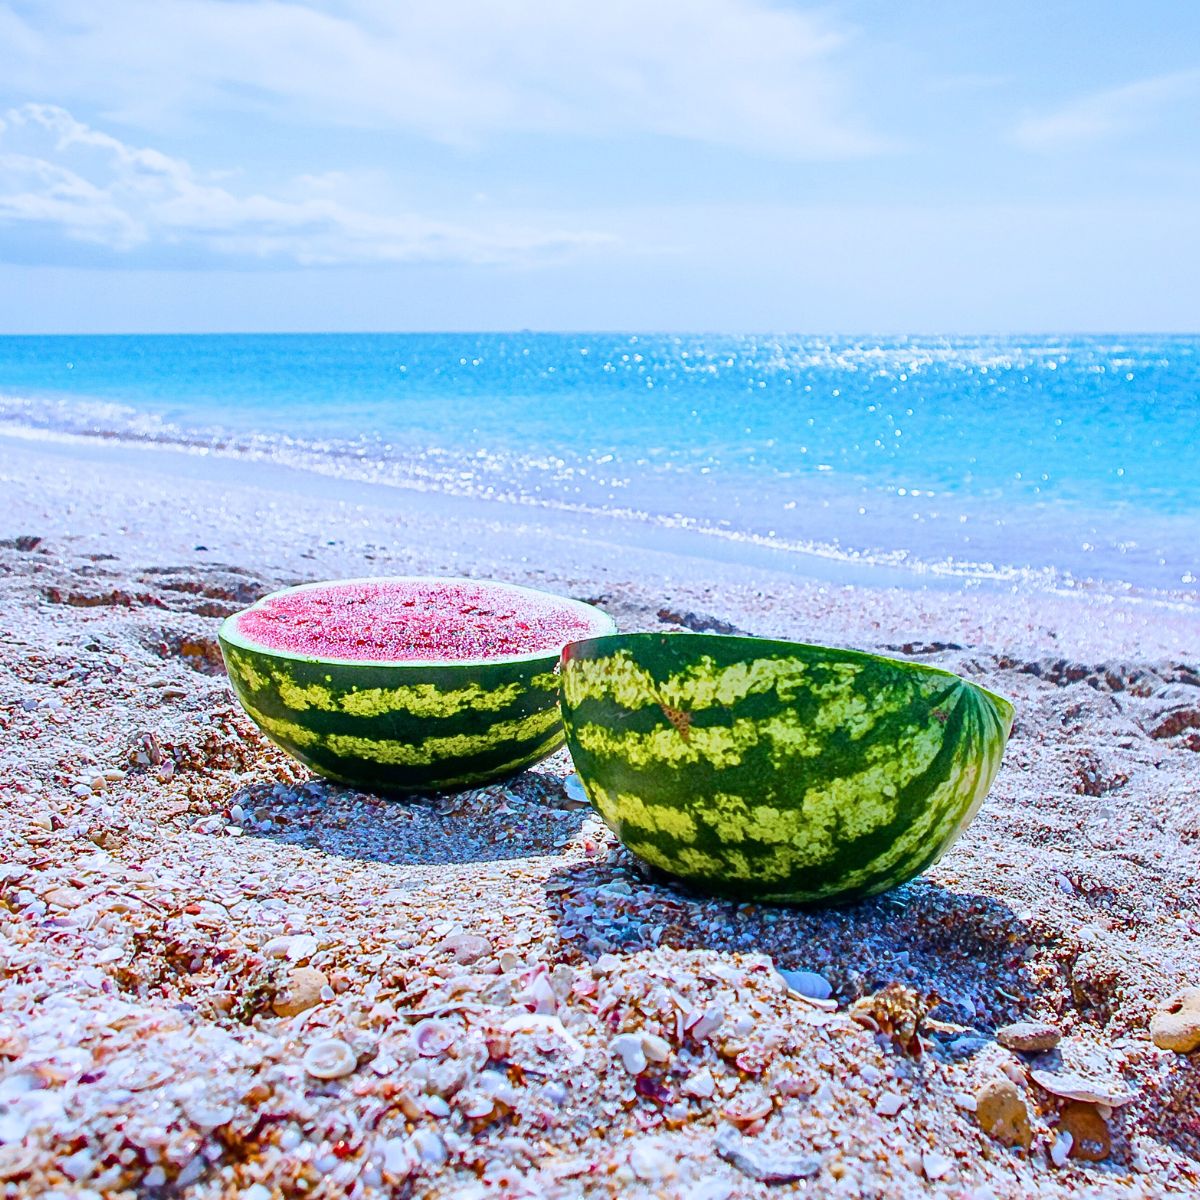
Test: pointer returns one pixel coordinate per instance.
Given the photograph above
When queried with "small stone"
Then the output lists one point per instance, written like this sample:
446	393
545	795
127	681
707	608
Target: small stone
889	1104
1029	1037
1176	1025
303	991
329	1058
1090	1137
1001	1112
628	1047
760	1164
699	1084
656	1049
466	947
1060	1151
935	1165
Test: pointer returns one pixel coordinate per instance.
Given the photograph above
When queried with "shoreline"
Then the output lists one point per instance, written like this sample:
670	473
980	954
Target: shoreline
172	884
682	536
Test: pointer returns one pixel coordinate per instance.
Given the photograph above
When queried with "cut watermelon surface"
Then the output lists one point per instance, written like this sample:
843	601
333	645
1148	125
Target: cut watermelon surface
414	620
408	684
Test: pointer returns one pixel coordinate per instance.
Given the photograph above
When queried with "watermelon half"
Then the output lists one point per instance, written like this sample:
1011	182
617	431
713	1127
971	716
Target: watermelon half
408	684
776	770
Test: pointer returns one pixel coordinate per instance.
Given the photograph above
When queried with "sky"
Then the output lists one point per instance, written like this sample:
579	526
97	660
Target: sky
708	165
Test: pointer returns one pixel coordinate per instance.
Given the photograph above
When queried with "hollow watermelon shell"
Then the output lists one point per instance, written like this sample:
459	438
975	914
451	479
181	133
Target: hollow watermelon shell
775	770
406	726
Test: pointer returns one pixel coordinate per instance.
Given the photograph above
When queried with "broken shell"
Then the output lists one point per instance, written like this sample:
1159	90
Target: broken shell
1074	1087
702	1023
329	1058
432	1037
746	1112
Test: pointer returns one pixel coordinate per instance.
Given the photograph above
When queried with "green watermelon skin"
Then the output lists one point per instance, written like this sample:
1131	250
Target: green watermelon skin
402	727
778	771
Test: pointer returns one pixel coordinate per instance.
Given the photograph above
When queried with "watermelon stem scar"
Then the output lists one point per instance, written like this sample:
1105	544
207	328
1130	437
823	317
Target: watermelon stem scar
775	770
408	684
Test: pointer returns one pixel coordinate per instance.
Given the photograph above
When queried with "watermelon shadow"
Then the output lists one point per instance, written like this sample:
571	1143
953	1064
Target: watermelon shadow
524	817
973	950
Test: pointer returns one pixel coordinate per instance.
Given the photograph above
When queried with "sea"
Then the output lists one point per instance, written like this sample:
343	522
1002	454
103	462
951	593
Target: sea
1059	462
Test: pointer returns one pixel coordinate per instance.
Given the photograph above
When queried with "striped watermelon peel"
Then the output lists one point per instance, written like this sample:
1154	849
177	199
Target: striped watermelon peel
778	771
408	684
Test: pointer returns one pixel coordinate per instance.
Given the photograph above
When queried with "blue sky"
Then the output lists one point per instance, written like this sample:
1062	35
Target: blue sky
637	164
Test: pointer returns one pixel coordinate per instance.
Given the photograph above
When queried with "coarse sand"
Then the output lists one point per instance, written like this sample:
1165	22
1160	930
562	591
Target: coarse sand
221	977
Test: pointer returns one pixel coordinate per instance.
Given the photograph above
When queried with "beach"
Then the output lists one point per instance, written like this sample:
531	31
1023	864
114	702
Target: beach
222	977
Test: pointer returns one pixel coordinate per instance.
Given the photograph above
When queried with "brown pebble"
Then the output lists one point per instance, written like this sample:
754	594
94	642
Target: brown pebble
1090	1138
303	990
1029	1037
1001	1112
1176	1025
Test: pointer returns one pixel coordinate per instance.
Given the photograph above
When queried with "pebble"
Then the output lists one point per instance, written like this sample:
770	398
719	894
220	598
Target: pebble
808	983
628	1048
1090	1137
329	1058
889	1104
699	1084
1176	1025
303	991
1029	1037
760	1164
935	1165
1002	1112
466	947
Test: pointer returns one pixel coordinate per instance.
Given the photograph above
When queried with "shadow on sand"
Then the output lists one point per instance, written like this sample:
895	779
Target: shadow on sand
525	817
970	949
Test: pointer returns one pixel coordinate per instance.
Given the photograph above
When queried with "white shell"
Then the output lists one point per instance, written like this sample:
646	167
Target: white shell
329	1058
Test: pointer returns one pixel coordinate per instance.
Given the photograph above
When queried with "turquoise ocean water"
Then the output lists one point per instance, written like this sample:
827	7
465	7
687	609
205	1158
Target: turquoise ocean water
1069	461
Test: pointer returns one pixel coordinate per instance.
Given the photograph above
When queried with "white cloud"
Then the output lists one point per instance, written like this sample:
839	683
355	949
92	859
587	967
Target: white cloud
751	74
1106	114
58	174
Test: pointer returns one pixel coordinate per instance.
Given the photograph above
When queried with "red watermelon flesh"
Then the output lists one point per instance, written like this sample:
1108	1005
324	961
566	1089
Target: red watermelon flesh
413	621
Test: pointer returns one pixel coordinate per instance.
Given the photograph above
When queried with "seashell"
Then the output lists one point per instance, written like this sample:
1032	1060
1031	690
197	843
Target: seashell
329	1058
432	1037
1074	1087
807	983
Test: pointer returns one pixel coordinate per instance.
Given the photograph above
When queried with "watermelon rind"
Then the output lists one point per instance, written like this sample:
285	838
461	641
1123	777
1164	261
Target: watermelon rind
405	727
778	771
